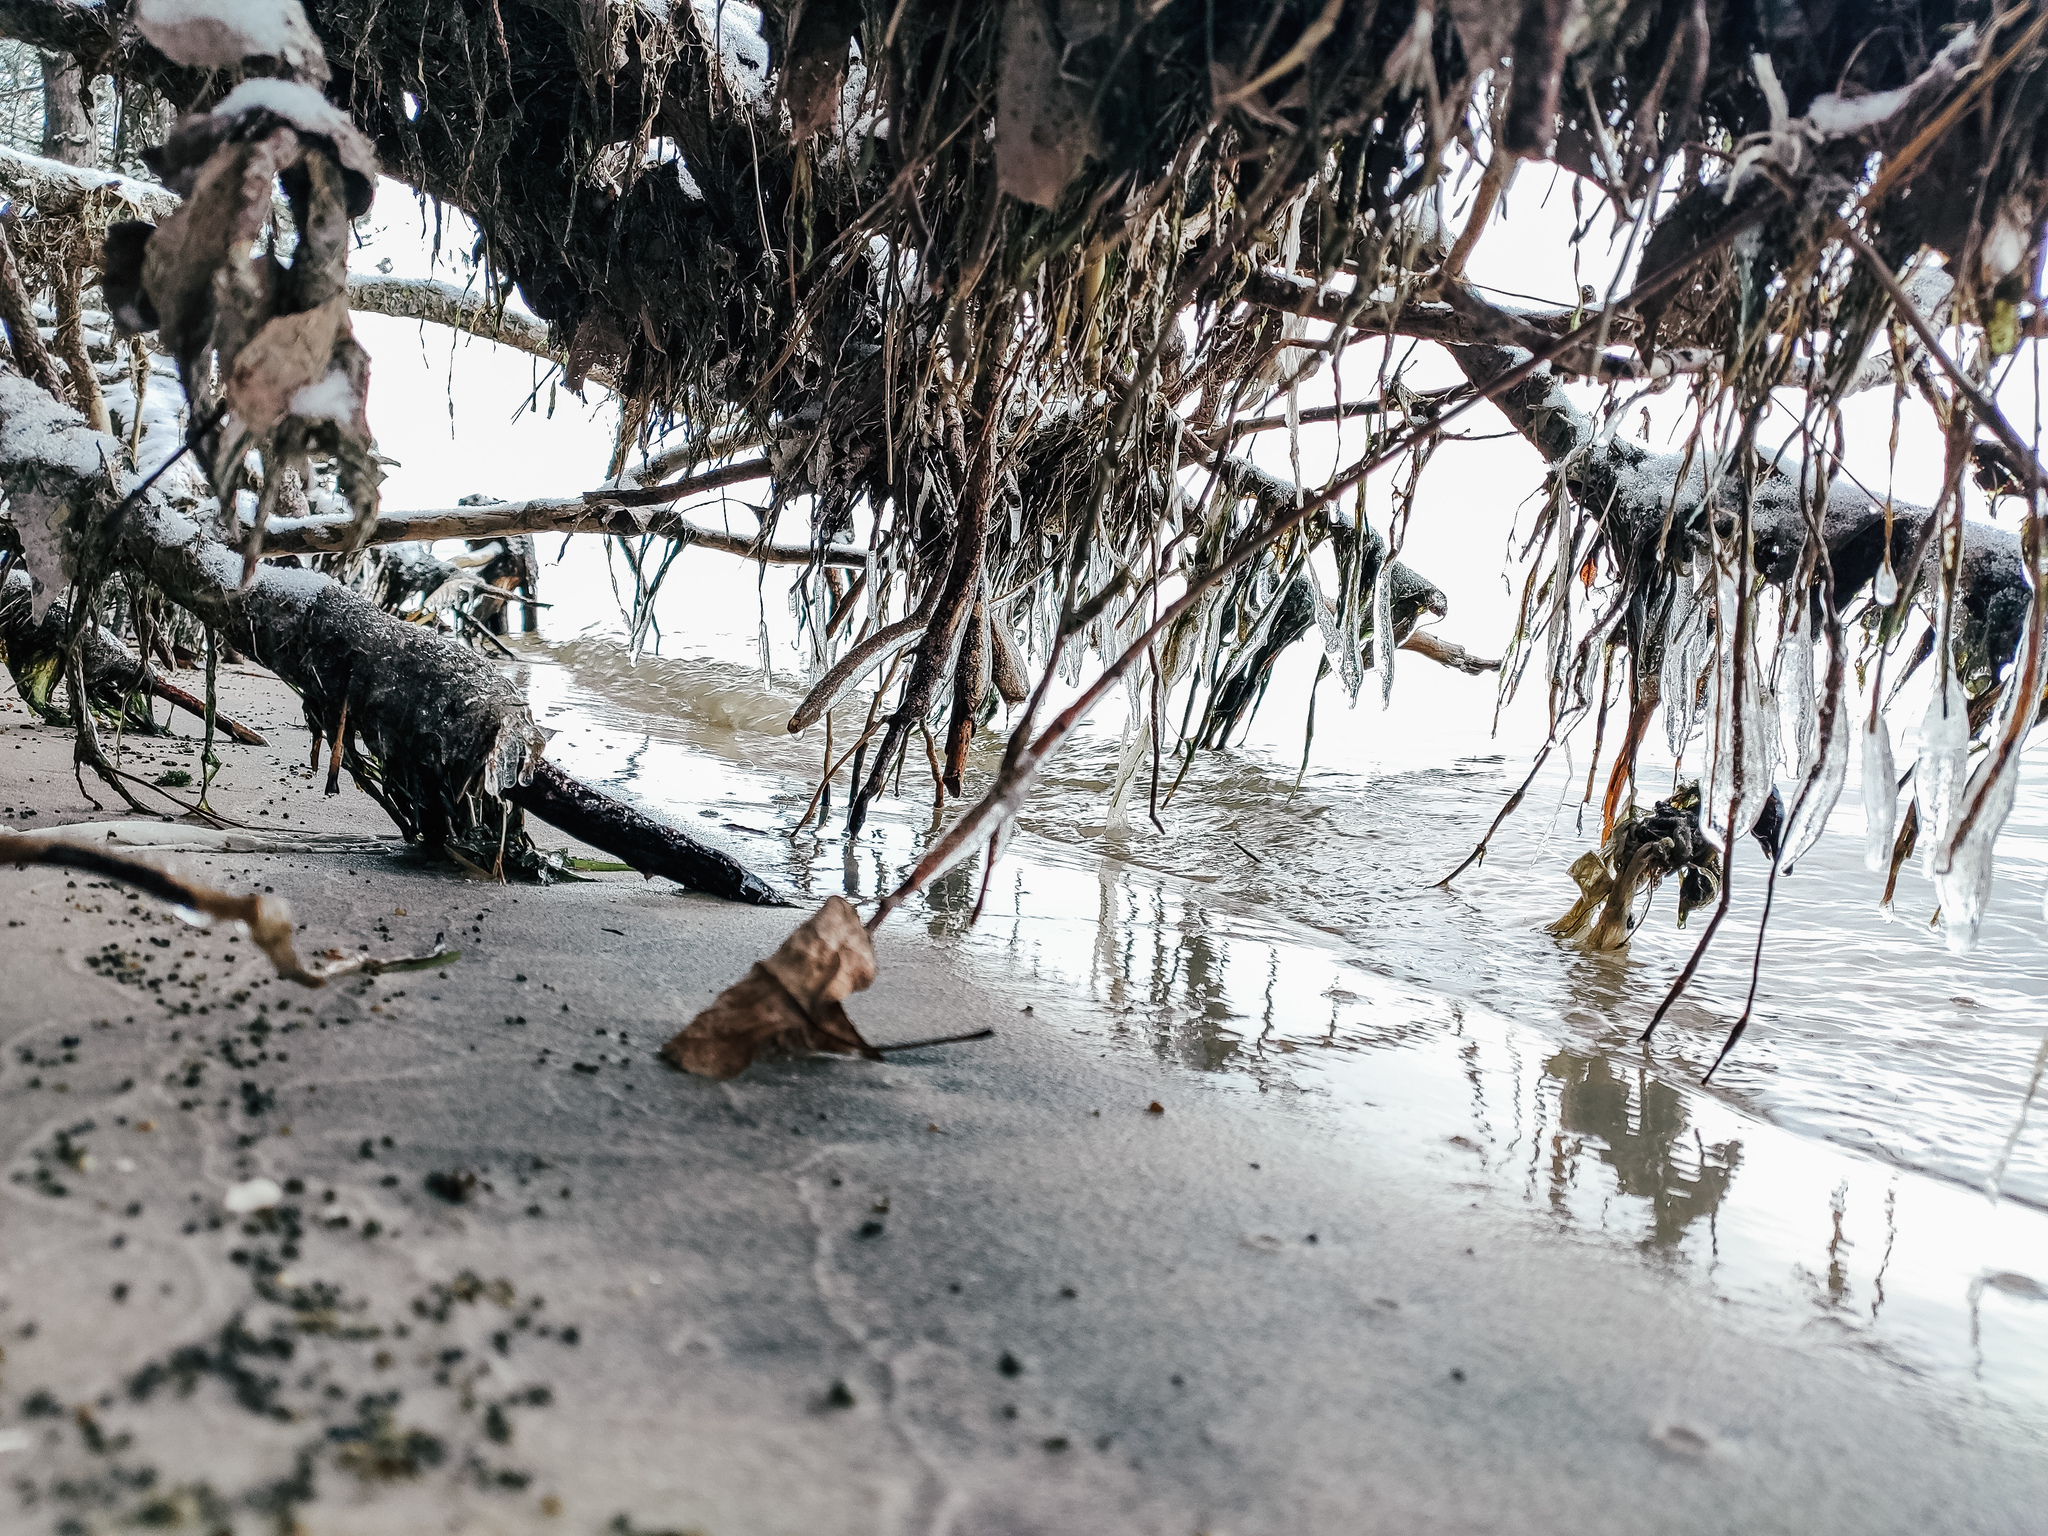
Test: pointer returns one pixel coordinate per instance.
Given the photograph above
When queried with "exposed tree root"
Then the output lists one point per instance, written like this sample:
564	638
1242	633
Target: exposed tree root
115	679
648	845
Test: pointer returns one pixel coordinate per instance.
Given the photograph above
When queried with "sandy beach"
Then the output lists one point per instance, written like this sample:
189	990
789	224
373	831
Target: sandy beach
516	1275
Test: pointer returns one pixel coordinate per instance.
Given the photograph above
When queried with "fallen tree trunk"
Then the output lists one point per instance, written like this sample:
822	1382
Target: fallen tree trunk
1637	490
426	727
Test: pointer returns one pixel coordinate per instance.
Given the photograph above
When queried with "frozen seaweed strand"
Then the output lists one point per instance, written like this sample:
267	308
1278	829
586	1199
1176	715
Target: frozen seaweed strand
1943	764
1557	637
1721	732
1880	794
1327	623
1351	659
1137	750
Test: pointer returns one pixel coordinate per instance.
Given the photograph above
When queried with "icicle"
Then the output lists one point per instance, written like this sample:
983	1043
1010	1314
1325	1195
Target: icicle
1962	862
1349	662
1383	631
1943	764
1768	713
1676	682
1821	797
1964	885
1801	727
1964	888
1755	764
1885	586
1880	795
1721	729
1818	795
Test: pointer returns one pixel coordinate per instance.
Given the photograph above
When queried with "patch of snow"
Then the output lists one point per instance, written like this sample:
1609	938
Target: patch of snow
1832	115
219	34
300	588
332	398
299	105
733	29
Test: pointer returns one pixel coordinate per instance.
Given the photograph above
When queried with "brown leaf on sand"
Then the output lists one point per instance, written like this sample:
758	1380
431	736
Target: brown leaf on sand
787	1003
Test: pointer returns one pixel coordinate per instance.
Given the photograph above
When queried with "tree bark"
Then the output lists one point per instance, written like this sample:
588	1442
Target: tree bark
440	303
30	355
1634	490
69	133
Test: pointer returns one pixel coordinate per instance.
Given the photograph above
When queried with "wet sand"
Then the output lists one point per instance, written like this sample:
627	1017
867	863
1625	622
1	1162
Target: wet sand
978	1289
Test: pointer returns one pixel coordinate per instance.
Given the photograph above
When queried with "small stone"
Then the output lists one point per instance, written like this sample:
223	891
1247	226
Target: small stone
252	1195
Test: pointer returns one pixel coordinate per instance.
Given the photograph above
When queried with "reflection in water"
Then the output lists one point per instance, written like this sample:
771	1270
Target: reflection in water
1640	1124
1420	1070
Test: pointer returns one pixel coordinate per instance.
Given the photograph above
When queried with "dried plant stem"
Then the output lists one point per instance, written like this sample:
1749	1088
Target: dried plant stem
268	918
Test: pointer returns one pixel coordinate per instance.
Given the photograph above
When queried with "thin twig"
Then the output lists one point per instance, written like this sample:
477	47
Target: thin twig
918	1045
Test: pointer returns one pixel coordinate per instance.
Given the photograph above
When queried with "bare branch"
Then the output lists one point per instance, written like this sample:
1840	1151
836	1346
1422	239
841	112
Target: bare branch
439	303
1447	653
569	514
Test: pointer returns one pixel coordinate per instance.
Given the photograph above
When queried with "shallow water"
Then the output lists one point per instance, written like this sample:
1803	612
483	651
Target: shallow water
1867	1031
1307	952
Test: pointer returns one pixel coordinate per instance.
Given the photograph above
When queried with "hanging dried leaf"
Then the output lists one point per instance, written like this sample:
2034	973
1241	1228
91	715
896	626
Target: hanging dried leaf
789	1002
1045	118
223	212
282	359
821	35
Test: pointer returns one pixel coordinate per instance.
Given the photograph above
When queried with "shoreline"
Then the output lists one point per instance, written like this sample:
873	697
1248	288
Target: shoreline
833	1295
1931	1076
